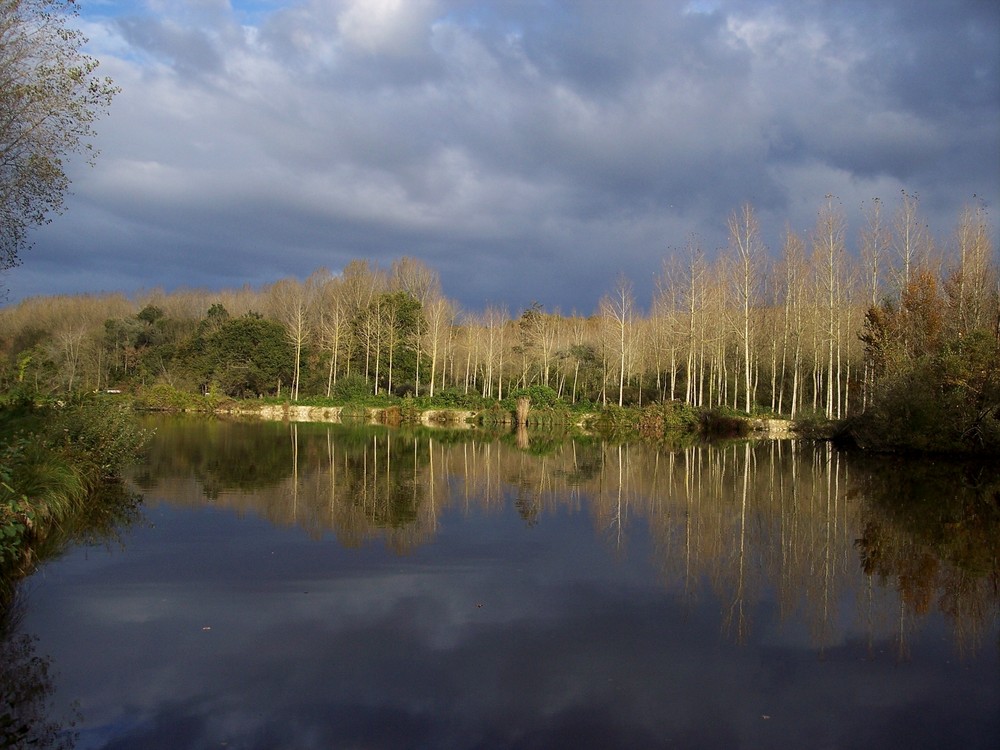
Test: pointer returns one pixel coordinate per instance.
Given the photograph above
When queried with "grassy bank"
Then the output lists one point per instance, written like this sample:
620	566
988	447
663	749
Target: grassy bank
545	410
56	460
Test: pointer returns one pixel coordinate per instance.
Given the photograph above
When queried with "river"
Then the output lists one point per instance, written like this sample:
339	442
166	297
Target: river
328	586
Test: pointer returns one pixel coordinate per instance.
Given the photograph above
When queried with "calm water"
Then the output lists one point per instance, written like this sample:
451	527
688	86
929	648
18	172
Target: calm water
320	586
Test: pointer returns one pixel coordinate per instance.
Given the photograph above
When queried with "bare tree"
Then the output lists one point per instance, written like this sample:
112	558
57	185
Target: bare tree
911	241
875	243
289	302
618	309
667	325
361	283
794	276
828	245
494	342
332	323
693	297
744	237
972	282
440	316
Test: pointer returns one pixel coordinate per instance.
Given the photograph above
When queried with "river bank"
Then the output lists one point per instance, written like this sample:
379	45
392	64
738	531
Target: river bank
768	428
59	463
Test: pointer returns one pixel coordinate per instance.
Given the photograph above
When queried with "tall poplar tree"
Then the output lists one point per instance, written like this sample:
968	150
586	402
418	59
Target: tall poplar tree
744	237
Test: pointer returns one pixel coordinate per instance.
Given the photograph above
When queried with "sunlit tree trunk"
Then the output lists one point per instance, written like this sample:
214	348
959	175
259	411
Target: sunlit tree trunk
972	283
440	314
744	238
828	245
618	310
290	303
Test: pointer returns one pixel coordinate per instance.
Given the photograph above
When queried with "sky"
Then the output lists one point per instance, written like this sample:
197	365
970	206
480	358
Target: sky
527	150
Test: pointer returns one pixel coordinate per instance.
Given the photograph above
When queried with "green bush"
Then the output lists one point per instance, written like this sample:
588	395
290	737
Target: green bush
668	418
539	395
723	422
945	402
100	434
495	414
813	425
161	396
53	459
456	398
614	421
352	388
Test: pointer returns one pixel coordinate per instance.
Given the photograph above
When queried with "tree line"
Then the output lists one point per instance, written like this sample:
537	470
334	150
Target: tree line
813	329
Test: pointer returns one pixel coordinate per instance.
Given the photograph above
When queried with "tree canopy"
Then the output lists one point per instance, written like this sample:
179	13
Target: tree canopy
50	97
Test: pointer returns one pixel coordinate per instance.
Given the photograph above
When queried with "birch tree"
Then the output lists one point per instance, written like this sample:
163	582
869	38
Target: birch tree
361	283
794	274
333	328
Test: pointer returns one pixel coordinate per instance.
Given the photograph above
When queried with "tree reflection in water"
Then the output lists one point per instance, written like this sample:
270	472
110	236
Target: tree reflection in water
799	519
27	692
27	685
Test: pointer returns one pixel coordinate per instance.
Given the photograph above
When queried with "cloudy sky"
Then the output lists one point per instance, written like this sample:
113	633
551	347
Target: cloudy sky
526	149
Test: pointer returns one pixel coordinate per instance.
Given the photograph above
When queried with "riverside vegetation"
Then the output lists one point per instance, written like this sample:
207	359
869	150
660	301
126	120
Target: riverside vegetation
898	344
60	468
898	350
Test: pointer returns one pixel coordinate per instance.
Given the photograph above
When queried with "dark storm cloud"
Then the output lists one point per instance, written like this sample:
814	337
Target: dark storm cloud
526	150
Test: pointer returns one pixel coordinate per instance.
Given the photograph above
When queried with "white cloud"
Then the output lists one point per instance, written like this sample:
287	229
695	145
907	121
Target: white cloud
472	129
385	26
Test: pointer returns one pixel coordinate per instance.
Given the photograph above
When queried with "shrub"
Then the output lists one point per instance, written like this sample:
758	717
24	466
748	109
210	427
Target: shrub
352	388
53	459
539	395
948	402
161	396
814	425
615	421
456	398
495	414
670	417
101	435
722	422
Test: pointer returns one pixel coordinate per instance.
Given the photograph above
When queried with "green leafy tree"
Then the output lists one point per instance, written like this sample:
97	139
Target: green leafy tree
932	391
249	356
403	322
50	97
969	371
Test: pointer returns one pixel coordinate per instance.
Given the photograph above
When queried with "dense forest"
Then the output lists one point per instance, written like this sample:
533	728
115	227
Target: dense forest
901	331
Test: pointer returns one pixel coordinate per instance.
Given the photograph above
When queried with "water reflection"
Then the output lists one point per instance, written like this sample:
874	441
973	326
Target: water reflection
747	595
838	542
28	713
26	691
